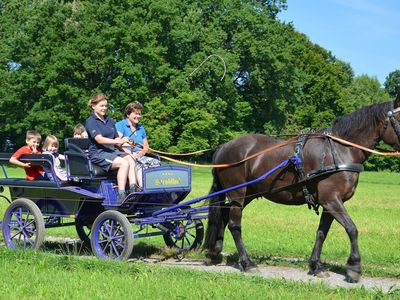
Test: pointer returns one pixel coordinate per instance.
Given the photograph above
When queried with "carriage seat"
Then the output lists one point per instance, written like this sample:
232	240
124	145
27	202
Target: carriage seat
46	161
78	162
21	182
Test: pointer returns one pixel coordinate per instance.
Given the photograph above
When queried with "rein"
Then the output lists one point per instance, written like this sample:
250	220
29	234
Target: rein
234	163
291	140
221	165
337	139
345	142
390	118
395	125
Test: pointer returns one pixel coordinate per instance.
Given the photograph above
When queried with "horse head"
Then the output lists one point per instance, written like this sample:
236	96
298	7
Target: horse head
391	126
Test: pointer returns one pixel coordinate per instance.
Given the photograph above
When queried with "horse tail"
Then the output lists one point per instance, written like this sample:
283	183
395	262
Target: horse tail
214	214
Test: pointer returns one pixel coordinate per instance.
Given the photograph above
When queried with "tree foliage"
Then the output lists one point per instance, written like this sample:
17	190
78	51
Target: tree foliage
362	91
170	55
392	83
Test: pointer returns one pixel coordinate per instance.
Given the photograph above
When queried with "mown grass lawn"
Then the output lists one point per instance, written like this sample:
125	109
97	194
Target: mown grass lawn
40	275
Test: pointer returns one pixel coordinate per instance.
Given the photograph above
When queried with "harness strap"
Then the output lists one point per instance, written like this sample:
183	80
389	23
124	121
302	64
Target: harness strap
351	167
395	126
299	167
305	178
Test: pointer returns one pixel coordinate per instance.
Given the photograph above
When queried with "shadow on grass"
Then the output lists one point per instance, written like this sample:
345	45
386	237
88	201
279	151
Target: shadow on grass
76	247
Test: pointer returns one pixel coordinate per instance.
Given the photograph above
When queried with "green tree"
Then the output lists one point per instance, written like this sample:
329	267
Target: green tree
57	54
362	91
319	79
392	83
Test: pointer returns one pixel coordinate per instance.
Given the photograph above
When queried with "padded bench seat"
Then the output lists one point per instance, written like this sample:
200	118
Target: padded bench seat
21	182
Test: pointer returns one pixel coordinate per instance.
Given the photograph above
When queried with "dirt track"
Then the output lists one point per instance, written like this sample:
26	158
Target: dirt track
296	274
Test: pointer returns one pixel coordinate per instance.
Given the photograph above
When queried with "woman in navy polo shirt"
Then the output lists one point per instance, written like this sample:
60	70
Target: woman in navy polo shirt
104	141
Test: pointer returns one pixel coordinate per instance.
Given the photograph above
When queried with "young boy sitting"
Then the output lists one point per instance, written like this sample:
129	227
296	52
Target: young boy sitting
32	147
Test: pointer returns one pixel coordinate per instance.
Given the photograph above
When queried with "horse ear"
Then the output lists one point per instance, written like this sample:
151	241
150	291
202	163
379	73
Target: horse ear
397	101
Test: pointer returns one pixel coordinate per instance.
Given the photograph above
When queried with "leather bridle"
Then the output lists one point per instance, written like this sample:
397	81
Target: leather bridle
393	121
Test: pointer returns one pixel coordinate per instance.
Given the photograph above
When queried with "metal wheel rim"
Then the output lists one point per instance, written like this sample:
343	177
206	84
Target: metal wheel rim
20	228
189	237
109	239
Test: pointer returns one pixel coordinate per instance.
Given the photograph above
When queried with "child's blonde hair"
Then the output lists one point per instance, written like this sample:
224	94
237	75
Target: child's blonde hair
32	134
50	140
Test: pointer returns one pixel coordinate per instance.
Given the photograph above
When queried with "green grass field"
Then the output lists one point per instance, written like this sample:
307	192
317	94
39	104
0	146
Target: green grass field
271	233
37	275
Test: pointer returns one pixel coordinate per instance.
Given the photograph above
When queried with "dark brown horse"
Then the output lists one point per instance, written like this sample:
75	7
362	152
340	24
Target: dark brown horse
328	177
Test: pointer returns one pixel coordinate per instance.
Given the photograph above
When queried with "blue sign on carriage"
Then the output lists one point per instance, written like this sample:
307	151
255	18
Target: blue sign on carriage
167	178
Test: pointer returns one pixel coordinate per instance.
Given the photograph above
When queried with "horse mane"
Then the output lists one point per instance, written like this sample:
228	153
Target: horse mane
361	120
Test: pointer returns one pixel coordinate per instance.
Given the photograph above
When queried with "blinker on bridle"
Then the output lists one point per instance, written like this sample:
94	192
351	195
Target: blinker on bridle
392	112
393	121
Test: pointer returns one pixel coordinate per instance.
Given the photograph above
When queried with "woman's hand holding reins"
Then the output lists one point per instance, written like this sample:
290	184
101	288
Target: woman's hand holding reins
119	141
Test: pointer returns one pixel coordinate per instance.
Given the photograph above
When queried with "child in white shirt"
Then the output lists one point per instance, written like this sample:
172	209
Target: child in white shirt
50	146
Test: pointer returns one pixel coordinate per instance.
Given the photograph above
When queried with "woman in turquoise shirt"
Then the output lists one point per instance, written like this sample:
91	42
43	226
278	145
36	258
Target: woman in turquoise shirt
130	127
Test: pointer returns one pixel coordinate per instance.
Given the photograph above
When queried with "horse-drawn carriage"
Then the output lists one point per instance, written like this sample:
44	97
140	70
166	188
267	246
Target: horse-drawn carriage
88	201
318	169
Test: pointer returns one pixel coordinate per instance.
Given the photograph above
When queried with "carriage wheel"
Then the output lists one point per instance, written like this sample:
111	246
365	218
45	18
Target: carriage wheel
83	229
23	225
112	236
186	235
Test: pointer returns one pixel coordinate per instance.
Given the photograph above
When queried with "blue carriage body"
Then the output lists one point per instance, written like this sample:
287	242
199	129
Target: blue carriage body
90	191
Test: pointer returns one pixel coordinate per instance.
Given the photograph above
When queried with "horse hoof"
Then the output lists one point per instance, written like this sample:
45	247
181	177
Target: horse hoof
210	262
352	277
250	268
214	260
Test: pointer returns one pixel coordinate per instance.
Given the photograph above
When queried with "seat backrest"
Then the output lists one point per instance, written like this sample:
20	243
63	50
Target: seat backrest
46	161
77	160
79	142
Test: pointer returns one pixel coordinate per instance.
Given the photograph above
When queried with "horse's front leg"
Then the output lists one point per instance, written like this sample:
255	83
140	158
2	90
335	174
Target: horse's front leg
235	227
338	211
322	232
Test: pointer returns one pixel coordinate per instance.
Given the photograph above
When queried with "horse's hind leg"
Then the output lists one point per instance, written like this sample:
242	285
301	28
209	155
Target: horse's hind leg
221	230
235	227
337	210
323	229
215	249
